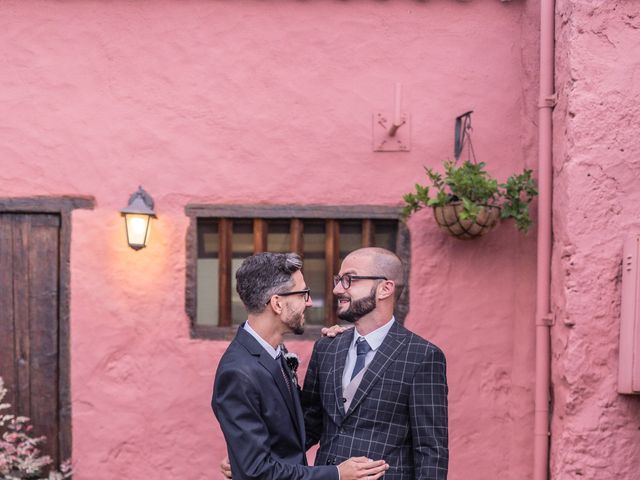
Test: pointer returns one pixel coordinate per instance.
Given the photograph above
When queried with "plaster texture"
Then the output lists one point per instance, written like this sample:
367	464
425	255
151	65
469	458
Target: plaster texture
271	102
595	431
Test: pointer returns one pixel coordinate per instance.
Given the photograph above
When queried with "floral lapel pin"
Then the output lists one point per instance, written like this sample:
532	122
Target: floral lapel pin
293	362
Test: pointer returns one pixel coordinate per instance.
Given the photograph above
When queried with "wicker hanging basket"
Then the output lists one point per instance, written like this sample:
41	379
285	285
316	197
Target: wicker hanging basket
447	218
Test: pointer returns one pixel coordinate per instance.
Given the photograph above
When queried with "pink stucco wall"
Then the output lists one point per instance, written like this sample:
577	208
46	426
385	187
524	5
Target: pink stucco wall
595	431
269	102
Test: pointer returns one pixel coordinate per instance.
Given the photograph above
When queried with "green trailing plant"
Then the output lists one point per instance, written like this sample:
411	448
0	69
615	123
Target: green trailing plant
471	185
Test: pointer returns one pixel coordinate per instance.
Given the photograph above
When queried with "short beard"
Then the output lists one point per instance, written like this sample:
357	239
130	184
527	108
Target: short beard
294	322
359	308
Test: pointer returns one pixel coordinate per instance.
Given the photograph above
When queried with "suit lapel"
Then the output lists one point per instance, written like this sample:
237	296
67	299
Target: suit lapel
297	404
273	367
391	346
300	415
340	358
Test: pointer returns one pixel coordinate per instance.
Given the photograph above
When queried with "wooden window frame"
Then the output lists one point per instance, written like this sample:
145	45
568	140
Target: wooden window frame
332	214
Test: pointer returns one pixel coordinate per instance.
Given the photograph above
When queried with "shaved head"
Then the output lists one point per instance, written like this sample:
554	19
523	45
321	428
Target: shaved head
383	262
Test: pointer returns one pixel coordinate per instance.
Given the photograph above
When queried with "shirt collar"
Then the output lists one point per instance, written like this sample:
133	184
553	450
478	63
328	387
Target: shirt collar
375	338
273	352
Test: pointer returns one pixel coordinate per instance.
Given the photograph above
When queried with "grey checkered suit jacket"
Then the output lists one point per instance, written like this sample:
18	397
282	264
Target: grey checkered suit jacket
398	414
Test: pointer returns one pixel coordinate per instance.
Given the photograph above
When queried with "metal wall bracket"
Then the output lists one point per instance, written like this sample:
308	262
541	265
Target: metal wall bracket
548	320
548	102
398	141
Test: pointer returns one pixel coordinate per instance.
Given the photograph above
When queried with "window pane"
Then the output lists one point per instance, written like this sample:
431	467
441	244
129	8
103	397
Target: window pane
278	236
242	239
207	291
314	275
208	238
313	239
314	269
241	248
350	237
207	272
385	234
238	312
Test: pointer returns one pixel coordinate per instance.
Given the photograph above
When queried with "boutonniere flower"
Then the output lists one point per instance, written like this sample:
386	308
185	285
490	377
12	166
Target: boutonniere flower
293	362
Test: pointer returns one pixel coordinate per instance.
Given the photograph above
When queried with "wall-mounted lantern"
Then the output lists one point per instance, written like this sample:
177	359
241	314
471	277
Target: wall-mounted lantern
137	217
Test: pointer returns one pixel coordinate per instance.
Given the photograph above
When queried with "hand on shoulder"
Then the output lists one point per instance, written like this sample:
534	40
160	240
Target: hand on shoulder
334	331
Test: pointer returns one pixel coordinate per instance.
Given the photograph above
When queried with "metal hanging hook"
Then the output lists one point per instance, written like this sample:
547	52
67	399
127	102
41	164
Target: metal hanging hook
462	135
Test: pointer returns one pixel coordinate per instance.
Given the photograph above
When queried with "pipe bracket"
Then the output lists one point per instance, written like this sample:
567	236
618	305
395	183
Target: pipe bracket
549	101
548	320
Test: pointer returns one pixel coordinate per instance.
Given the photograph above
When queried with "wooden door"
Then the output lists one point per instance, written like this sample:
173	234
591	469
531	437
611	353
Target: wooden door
30	323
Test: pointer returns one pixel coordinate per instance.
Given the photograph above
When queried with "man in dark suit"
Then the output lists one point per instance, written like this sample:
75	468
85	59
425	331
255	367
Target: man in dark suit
377	390
254	398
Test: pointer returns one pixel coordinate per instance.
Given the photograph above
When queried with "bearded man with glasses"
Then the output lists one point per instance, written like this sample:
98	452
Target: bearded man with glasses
377	390
254	398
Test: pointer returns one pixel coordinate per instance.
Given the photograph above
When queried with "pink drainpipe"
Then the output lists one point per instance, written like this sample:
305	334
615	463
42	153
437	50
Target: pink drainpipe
544	317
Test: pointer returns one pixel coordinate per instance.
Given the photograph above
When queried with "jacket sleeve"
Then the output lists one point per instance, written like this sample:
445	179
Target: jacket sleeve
429	418
236	404
311	402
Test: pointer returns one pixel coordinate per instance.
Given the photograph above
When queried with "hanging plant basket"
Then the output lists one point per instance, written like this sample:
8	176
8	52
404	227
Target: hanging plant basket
468	202
448	219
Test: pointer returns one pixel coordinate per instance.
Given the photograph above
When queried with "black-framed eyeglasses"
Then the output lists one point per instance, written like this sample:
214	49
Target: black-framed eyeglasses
347	278
306	292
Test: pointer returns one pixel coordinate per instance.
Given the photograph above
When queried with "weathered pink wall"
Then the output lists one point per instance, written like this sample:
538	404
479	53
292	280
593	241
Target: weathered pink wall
596	431
269	102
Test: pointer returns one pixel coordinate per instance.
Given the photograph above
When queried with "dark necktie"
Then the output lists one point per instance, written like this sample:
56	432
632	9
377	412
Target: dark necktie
362	348
283	369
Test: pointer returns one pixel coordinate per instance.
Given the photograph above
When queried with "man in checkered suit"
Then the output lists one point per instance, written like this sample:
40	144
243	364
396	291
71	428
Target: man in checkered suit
378	390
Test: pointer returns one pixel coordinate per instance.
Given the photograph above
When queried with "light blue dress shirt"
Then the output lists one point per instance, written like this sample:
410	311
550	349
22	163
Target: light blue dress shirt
374	339
274	352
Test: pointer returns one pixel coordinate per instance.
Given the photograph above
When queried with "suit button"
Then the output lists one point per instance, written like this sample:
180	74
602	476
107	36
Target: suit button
328	461
344	400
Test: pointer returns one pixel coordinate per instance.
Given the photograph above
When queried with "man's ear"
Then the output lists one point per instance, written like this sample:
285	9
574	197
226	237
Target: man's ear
275	304
387	289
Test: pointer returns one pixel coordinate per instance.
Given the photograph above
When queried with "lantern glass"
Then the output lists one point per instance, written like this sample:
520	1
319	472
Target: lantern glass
137	229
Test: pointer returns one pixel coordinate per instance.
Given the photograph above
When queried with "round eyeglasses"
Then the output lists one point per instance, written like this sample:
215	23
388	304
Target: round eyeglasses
346	279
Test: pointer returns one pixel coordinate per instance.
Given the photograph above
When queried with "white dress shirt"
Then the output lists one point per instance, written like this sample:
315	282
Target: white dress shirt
274	352
374	339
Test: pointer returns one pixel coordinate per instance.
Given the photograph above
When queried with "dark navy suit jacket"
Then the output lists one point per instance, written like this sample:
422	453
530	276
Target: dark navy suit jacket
260	417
